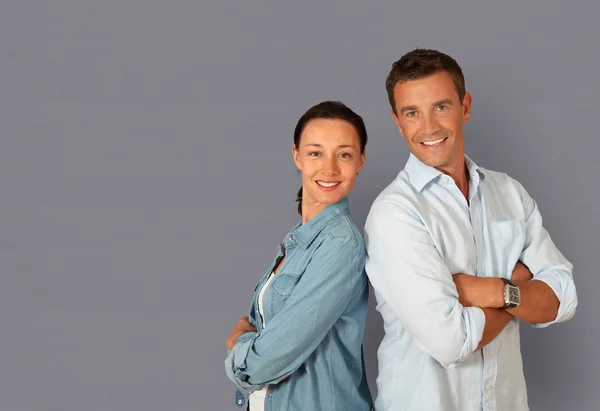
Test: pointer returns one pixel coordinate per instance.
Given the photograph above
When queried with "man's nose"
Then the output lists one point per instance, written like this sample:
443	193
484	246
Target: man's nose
429	123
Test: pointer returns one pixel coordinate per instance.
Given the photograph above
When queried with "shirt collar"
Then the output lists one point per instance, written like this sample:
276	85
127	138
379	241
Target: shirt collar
476	173
307	232
420	174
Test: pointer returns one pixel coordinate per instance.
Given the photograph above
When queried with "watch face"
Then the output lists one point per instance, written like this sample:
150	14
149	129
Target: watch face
514	296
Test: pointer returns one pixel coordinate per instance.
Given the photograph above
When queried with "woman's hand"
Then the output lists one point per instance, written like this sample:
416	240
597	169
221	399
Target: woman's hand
242	327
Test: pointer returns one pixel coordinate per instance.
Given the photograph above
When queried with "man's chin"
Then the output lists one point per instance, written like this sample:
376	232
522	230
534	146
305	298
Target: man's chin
431	161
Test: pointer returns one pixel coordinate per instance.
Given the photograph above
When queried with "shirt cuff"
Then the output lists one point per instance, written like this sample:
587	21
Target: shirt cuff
564	289
246	337
474	320
235	363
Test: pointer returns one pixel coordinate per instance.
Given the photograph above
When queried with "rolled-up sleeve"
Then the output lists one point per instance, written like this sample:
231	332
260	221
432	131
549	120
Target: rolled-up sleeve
240	351
546	262
405	268
332	278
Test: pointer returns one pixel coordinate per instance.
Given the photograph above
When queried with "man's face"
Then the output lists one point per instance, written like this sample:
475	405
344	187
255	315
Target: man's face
431	117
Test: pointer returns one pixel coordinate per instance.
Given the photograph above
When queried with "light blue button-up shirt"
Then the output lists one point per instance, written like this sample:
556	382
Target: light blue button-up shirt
419	232
310	352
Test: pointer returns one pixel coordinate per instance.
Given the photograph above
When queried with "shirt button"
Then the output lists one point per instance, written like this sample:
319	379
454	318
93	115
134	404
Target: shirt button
270	394
490	351
488	387
239	402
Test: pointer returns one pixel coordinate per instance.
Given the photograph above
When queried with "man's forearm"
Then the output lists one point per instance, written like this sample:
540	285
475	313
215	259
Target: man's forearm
538	303
495	321
482	292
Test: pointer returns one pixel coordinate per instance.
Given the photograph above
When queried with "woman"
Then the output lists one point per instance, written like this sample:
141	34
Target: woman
301	346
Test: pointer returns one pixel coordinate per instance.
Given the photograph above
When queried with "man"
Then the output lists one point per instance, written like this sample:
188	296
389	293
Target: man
444	240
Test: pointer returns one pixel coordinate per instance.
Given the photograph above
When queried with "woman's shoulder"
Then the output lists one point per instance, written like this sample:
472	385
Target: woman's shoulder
342	245
344	231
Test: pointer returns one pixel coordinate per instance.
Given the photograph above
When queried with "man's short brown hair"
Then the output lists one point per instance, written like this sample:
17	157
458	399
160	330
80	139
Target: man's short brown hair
421	63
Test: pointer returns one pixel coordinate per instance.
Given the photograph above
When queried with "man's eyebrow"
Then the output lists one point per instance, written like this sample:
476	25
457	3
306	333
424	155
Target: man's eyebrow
340	146
445	101
407	108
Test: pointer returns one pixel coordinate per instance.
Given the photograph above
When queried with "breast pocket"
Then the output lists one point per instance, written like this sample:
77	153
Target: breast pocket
281	290
508	240
284	284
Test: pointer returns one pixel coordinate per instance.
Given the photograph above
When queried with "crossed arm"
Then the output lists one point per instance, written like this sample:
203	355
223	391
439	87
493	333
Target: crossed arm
538	304
451	315
544	277
294	333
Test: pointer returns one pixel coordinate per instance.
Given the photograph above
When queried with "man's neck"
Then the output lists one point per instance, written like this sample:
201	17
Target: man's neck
460	176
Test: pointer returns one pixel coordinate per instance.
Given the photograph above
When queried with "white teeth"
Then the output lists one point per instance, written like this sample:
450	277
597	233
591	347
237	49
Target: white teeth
324	184
434	143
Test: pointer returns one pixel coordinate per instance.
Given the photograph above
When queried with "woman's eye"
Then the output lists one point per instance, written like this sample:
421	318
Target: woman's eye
313	153
345	155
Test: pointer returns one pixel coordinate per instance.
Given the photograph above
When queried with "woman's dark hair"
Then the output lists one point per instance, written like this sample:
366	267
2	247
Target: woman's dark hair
332	110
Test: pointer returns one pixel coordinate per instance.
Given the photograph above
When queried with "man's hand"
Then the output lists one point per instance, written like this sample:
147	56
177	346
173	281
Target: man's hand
242	327
479	292
521	273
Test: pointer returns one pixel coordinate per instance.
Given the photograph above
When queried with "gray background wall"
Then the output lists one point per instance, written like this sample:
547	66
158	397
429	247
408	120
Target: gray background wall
146	175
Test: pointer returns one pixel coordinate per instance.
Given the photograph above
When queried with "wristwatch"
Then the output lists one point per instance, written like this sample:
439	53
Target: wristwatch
512	294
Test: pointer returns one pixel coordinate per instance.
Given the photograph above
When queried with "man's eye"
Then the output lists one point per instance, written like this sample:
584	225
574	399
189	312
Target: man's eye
442	108
411	114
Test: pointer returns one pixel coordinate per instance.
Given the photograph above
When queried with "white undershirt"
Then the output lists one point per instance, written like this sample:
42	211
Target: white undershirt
257	398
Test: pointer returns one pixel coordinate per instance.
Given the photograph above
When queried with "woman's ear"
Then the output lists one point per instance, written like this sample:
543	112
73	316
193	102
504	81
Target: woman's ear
361	164
296	156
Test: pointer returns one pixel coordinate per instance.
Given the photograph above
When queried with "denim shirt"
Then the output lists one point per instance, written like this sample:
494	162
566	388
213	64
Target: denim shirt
310	353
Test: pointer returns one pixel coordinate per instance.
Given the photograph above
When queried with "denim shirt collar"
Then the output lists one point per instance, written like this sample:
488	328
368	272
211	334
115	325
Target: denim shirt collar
420	174
305	233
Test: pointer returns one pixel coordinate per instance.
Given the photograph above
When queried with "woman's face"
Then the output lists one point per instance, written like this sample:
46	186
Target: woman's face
329	159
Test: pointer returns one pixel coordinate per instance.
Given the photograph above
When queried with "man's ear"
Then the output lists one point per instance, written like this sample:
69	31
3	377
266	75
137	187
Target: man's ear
395	117
466	106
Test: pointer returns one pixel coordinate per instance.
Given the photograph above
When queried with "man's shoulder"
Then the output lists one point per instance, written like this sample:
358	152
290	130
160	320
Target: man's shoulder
498	179
399	190
399	195
495	176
